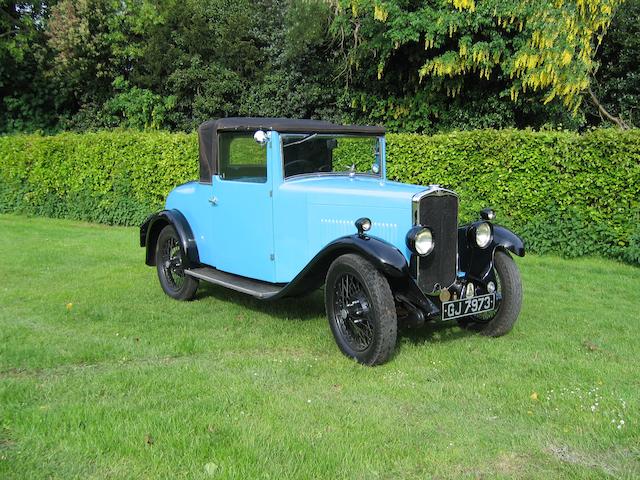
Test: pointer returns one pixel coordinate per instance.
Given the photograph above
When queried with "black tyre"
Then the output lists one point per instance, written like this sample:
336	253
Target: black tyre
170	265
509	288
360	310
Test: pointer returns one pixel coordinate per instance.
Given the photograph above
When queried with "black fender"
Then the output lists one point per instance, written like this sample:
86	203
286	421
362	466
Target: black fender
477	263
506	239
385	257
153	224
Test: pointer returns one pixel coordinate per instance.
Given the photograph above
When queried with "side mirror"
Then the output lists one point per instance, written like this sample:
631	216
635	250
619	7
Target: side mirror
261	137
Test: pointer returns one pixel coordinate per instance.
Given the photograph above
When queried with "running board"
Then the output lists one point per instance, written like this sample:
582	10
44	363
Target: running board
256	288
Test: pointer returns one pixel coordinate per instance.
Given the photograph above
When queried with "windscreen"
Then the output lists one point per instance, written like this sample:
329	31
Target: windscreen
308	154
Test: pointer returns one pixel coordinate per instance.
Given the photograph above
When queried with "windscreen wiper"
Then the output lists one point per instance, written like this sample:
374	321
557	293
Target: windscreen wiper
308	137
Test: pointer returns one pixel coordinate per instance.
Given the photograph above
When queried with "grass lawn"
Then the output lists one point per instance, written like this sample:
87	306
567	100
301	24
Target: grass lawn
103	376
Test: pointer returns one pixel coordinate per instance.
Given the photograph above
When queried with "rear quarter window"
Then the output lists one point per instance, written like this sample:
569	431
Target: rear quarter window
241	158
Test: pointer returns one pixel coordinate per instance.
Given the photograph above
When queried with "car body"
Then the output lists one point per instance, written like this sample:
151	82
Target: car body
280	201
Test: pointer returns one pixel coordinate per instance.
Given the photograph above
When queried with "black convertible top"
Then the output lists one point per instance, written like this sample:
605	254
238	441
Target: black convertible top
208	134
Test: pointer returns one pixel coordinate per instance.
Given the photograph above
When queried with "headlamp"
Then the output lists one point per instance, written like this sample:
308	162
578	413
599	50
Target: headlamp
483	235
420	240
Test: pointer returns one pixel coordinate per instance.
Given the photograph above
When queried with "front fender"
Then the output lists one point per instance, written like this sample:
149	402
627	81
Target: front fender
477	263
153	224
505	238
385	257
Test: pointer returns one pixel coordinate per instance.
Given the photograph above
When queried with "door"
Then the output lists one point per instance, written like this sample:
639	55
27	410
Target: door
241	207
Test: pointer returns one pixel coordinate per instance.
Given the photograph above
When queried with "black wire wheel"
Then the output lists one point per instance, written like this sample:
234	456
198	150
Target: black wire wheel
360	310
170	264
500	321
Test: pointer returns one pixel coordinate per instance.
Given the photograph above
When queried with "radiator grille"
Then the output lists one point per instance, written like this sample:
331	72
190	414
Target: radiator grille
437	210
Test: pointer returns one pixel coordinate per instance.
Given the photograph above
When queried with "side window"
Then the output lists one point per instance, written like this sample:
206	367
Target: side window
241	158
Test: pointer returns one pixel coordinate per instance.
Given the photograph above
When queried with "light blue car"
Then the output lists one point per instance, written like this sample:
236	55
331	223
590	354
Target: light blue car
284	206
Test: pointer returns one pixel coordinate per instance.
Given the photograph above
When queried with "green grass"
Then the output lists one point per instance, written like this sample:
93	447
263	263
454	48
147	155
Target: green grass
103	376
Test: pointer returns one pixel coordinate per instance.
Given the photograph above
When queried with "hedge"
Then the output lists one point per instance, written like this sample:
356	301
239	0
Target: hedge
113	177
564	192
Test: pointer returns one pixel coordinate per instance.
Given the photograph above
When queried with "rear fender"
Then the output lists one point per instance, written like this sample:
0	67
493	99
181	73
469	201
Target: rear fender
153	225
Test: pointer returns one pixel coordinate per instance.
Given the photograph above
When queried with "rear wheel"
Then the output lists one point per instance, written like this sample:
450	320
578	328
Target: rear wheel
170	264
509	288
360	310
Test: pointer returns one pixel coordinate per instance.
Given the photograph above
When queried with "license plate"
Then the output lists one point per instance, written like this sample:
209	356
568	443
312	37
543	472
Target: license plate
468	306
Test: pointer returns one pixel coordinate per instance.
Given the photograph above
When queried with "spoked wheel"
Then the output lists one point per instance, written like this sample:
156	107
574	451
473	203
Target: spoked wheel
351	311
508	300
170	265
360	310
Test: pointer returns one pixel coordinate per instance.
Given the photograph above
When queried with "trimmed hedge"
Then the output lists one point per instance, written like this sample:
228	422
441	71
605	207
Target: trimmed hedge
563	192
113	177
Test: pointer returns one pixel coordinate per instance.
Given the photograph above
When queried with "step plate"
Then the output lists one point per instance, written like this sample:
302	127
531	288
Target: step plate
246	285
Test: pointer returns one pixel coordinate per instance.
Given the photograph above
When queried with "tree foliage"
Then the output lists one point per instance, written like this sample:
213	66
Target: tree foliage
617	80
91	64
94	42
26	100
429	65
540	48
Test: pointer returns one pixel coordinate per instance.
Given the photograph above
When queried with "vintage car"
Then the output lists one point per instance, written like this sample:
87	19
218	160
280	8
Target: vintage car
284	206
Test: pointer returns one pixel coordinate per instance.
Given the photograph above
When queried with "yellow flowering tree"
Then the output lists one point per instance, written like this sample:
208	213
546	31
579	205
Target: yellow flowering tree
541	46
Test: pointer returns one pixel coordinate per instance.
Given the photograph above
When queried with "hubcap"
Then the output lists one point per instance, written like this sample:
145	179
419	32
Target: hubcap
351	312
172	263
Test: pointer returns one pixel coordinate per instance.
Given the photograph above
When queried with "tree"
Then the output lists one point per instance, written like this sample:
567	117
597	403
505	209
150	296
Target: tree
616	82
87	64
26	101
240	57
535	48
94	42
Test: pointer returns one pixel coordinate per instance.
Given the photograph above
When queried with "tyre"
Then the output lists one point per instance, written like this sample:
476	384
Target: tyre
509	287
170	264
360	310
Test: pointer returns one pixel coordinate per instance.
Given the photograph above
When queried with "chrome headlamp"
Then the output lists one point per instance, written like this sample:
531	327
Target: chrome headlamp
482	234
420	240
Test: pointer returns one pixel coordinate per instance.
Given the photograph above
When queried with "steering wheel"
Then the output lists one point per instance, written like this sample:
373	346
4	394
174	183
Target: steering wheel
297	167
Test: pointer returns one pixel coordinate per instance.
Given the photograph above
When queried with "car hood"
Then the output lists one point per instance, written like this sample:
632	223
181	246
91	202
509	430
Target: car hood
359	190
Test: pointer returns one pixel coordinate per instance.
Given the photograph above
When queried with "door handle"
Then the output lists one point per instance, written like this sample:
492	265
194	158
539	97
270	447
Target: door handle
213	201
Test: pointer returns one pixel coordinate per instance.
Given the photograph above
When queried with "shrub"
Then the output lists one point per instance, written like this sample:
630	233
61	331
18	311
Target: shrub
113	177
563	192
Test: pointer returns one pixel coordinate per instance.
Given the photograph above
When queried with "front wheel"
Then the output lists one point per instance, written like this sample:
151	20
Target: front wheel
170	264
509	288
360	310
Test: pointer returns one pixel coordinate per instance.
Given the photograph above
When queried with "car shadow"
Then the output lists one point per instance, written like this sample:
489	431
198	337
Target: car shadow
431	333
311	307
301	308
